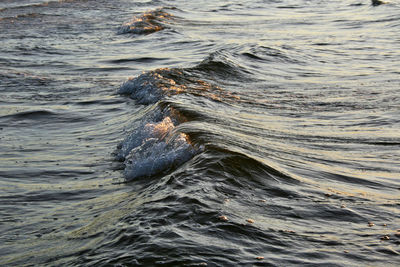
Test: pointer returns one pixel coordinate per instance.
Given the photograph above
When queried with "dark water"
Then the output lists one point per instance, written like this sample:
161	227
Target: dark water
217	133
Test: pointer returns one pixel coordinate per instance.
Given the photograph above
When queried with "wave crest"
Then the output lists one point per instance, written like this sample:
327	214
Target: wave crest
149	22
153	86
150	87
156	146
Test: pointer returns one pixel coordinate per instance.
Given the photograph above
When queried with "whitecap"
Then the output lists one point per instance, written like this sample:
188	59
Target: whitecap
155	147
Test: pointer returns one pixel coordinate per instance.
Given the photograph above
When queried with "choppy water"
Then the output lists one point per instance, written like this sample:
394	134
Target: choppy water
199	133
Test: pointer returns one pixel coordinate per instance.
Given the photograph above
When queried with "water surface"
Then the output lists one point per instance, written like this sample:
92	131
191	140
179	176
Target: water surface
199	133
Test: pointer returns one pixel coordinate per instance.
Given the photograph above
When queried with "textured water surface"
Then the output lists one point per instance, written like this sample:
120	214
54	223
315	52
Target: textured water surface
199	133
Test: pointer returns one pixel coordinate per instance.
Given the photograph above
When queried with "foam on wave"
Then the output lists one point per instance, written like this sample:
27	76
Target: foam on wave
155	146
149	22
152	86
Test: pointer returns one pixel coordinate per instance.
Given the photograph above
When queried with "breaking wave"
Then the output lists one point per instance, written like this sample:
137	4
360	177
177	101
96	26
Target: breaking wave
149	22
156	145
155	85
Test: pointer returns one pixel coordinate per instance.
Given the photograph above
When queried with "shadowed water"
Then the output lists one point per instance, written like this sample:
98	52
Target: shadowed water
199	133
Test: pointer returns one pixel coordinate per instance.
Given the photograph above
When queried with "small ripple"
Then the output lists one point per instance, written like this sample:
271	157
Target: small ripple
138	59
41	117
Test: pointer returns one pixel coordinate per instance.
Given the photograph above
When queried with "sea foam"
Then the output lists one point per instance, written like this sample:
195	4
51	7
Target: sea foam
152	86
149	22
154	147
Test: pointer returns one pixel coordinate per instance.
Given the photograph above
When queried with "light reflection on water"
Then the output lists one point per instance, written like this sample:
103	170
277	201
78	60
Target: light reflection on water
294	105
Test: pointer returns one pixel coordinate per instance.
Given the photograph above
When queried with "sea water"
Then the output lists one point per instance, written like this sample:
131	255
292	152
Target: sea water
219	133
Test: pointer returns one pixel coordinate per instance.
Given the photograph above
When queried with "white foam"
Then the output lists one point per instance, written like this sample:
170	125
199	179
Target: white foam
153	148
148	22
143	88
152	86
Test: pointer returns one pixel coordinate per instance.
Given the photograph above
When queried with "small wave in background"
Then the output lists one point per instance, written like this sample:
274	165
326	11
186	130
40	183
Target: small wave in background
149	22
195	133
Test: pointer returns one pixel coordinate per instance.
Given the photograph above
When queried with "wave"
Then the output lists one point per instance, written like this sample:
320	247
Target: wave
155	85
42	116
156	145
149	22
22	16
17	6
33	115
151	87
377	2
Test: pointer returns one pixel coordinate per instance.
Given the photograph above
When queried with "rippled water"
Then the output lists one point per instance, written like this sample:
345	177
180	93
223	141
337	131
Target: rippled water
199	133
